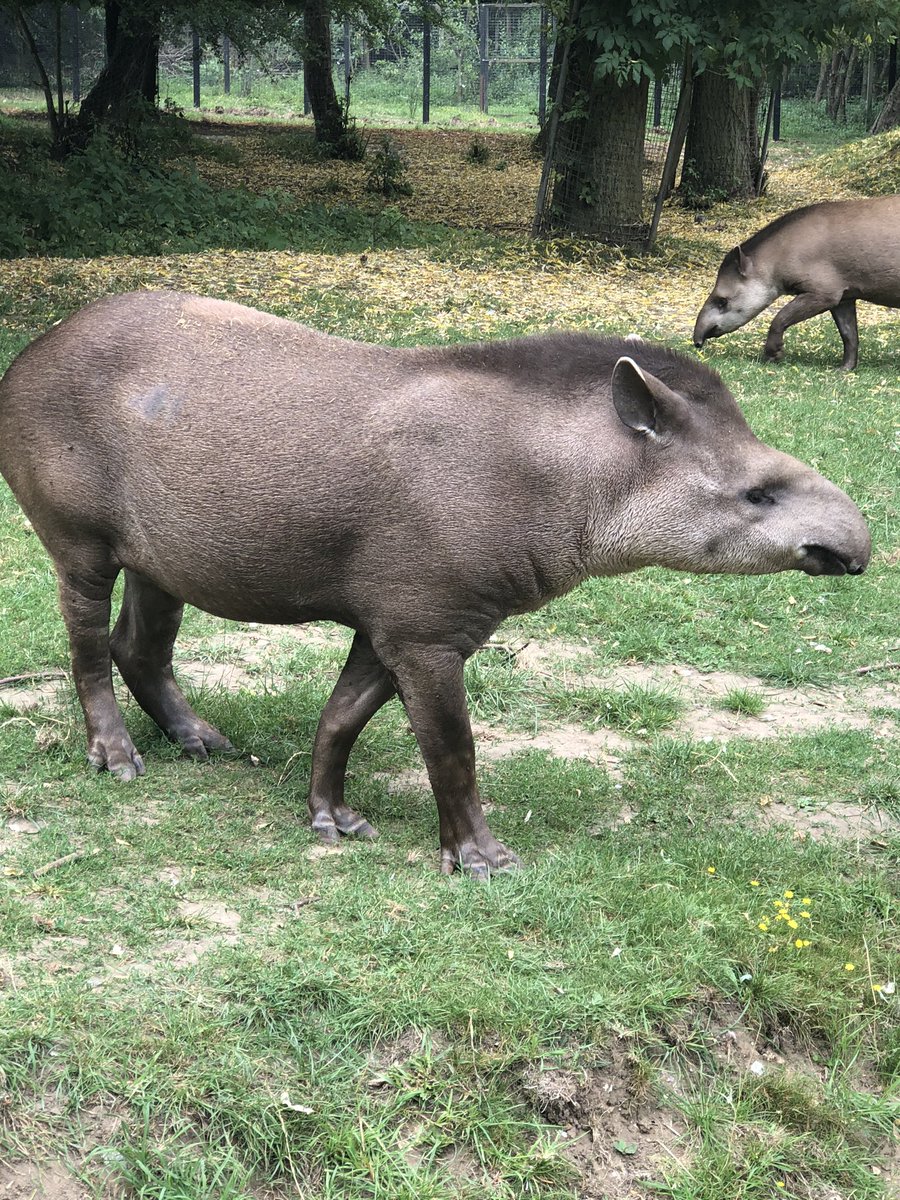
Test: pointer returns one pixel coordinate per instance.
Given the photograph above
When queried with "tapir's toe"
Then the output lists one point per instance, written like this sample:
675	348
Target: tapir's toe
330	824
117	755
479	861
202	740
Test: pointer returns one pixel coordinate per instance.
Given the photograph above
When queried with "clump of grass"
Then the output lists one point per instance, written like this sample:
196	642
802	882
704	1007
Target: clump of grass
634	709
743	701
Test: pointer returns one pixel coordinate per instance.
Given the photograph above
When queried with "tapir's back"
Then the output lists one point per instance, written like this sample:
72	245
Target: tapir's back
162	422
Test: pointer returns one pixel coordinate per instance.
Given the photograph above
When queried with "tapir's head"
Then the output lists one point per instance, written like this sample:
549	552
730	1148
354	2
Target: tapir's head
703	493
742	290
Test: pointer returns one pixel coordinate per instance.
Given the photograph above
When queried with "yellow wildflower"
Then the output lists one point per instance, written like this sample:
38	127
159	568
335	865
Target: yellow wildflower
788	896
792	924
710	870
805	915
806	900
849	966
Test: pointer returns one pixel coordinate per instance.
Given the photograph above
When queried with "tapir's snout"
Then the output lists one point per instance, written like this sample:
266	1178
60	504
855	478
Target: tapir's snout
704	329
823	560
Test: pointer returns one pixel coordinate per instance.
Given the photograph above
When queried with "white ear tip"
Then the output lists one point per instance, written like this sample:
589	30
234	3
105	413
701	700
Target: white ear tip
627	359
633	337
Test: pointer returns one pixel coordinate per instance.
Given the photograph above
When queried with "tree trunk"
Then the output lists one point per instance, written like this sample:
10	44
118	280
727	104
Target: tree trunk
598	153
129	77
841	67
721	154
823	79
326	110
889	117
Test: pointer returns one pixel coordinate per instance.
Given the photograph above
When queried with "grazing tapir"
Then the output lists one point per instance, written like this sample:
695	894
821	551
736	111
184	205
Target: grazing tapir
262	471
827	256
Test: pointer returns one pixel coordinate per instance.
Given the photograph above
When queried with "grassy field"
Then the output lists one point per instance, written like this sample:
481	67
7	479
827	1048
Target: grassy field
689	991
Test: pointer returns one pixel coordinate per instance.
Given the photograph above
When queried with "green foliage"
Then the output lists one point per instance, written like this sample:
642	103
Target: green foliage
641	37
115	198
388	167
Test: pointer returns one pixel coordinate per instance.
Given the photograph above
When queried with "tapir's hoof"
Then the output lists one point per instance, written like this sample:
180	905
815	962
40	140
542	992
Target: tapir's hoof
116	755
773	355
341	820
481	862
203	740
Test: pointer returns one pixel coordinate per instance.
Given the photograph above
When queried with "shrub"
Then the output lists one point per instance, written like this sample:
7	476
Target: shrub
388	167
478	151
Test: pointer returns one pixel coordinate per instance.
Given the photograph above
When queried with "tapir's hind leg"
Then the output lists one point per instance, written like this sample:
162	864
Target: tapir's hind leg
142	643
362	688
84	594
845	318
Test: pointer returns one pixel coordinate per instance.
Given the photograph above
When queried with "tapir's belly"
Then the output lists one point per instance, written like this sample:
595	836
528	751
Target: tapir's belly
247	566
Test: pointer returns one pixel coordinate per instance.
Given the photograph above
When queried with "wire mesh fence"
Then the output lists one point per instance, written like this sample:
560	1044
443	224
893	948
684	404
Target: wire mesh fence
486	59
603	177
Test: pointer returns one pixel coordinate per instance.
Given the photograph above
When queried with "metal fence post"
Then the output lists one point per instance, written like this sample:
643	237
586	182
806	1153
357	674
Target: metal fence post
426	71
483	64
542	69
195	66
76	55
226	64
348	71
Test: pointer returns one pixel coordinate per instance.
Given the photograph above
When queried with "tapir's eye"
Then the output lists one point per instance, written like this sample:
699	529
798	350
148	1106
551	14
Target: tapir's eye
721	303
760	496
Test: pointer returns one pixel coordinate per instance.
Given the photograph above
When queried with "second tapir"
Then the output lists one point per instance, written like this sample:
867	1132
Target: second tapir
827	256
262	471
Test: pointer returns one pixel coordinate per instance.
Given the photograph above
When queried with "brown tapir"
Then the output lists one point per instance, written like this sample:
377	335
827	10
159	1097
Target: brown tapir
263	471
827	256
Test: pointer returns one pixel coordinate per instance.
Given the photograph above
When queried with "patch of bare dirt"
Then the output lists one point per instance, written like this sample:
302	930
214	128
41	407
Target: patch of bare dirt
24	699
787	710
209	912
564	741
39	1180
842	819
612	1129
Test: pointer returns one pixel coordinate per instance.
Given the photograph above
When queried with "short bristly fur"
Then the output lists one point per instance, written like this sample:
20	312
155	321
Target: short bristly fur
826	255
263	471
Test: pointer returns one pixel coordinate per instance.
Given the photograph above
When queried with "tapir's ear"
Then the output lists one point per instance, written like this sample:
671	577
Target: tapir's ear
741	262
643	402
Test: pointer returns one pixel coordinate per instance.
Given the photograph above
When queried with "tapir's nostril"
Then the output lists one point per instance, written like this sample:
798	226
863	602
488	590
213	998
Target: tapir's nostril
822	560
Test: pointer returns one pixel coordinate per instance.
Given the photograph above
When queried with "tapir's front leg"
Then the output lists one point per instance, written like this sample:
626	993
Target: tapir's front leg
801	308
429	680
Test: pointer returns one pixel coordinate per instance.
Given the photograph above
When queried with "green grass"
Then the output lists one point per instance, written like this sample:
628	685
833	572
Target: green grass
743	701
203	1005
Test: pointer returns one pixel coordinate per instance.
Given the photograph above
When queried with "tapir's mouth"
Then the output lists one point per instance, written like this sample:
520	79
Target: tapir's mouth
699	339
820	560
